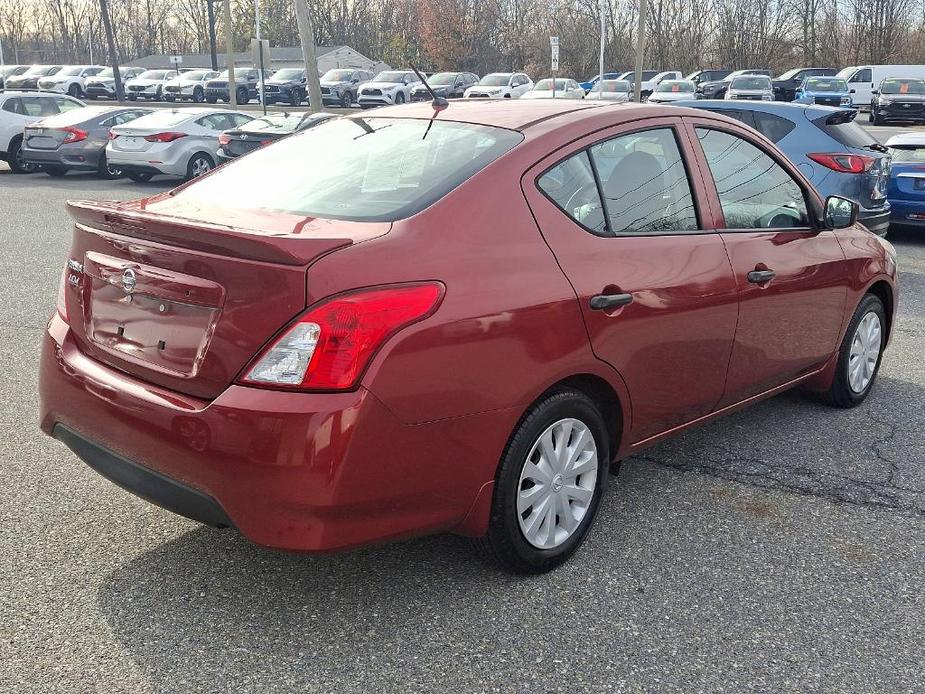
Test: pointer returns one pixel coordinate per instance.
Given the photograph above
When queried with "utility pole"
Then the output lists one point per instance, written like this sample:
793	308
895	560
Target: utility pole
229	57
307	37
263	103
212	49
603	39
640	50
113	56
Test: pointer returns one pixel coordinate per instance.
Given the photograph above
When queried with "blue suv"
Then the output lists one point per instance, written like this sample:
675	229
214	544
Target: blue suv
836	154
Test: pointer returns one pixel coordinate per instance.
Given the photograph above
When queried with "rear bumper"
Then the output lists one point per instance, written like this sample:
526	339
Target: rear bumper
166	161
297	471
876	220
68	157
905	212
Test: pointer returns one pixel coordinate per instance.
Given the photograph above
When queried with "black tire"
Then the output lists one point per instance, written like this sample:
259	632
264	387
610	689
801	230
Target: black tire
295	97
644	96
841	394
169	98
131	97
103	170
877	120
242	96
400	98
505	543
15	159
158	95
211	99
198	95
196	162
55	171
346	99
870	116
75	91
140	176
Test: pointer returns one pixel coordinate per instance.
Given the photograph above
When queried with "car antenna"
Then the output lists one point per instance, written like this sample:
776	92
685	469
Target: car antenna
439	103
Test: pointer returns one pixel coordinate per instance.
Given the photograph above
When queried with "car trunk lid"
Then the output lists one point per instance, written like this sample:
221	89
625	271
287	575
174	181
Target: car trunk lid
184	298
39	137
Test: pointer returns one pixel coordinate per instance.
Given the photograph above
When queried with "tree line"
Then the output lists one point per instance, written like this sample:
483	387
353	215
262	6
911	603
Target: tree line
488	35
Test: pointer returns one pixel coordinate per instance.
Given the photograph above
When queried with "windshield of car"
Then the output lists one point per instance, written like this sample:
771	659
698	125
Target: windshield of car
499	79
161	119
70	71
694	75
442	78
675	86
106	73
612	86
285	122
337	76
790	73
751	82
154	74
546	85
360	169
904	154
391	77
825	84
288	73
902	86
195	75
39	70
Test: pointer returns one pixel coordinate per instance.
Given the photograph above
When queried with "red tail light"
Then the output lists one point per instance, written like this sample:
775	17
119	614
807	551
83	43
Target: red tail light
264	143
112	135
844	163
74	135
330	345
164	137
224	139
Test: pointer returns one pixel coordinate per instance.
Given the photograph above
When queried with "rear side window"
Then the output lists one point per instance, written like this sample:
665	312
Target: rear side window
39	106
771	126
850	134
13	106
571	185
754	190
360	169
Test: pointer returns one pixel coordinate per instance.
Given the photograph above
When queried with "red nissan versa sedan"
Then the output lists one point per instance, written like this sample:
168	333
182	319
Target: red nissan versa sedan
415	321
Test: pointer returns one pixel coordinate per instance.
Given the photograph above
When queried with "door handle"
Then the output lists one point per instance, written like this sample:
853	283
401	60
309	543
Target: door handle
601	302
761	276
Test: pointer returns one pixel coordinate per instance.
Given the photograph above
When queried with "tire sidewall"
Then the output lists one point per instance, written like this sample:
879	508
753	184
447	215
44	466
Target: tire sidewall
504	529
841	387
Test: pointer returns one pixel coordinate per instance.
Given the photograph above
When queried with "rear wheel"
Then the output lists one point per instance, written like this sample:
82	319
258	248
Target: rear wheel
198	165
549	484
859	355
15	159
140	176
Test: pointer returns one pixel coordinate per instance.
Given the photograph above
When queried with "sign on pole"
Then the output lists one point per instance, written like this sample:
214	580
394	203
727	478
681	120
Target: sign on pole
175	60
554	51
261	52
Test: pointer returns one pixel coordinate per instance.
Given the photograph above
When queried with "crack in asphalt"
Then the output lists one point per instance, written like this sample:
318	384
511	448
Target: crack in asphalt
808	481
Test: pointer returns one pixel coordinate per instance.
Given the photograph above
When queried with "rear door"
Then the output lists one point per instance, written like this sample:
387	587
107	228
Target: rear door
620	211
791	275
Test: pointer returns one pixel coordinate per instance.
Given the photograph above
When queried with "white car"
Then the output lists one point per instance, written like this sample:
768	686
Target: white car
189	85
500	85
611	90
750	88
175	142
19	109
673	90
103	84
71	79
390	87
565	88
650	80
149	85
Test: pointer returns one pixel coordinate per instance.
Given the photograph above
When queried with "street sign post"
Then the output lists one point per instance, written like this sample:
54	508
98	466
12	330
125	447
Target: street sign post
176	61
261	51
554	51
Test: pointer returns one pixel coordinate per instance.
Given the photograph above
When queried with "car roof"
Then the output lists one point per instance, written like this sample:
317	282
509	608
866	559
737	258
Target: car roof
907	140
40	95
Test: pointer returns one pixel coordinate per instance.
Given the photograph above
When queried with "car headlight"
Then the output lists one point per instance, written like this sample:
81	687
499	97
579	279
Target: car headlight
767	97
886	102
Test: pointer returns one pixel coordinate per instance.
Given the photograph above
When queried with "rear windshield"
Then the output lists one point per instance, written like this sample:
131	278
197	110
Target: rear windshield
907	153
359	169
849	134
75	116
162	119
898	86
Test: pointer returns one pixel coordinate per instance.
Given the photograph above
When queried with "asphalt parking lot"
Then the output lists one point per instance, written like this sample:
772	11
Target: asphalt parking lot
780	549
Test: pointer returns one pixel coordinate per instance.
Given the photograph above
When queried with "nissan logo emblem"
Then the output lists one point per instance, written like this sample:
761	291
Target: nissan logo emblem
128	280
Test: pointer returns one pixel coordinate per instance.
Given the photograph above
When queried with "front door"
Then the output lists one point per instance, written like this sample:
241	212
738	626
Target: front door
791	274
656	290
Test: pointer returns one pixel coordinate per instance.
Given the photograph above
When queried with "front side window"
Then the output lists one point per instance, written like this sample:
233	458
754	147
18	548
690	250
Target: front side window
862	76
754	191
571	186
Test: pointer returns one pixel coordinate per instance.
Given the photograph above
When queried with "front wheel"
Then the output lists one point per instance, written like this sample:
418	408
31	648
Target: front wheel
549	484
400	98
198	95
346	99
75	91
242	96
859	355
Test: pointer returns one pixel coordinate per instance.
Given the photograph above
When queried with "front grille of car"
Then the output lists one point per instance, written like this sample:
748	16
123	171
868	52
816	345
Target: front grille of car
828	100
372	92
137	87
172	89
325	90
217	85
905	109
749	97
272	88
478	95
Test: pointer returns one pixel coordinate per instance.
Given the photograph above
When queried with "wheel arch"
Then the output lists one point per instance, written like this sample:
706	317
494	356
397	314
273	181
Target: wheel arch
883	291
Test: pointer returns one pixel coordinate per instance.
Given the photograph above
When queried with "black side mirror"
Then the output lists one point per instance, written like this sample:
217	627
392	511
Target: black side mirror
874	91
840	213
852	91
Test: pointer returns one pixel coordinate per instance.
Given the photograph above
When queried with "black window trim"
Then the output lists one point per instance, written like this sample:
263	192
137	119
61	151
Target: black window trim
586	150
808	200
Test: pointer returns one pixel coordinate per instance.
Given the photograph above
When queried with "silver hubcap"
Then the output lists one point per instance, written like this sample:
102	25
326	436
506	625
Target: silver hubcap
200	166
865	350
557	484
